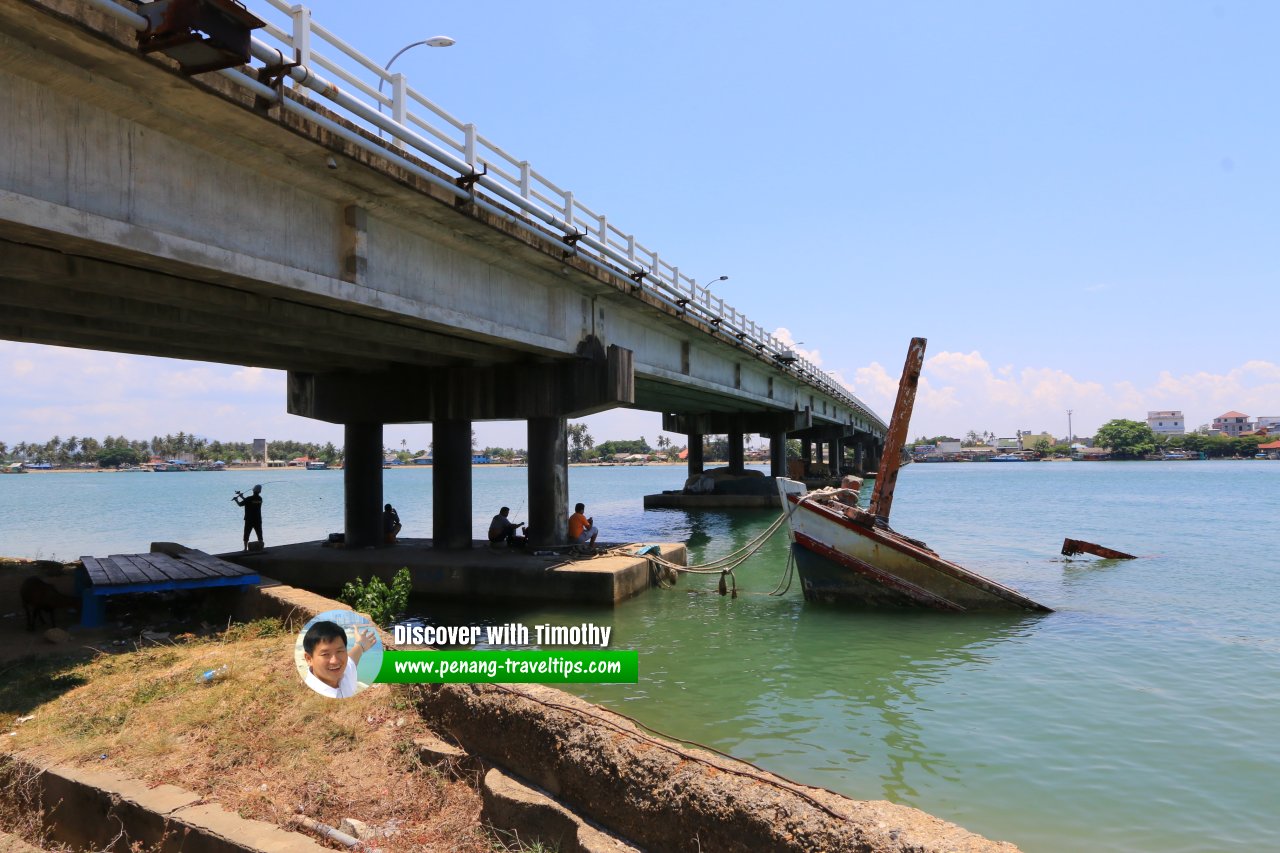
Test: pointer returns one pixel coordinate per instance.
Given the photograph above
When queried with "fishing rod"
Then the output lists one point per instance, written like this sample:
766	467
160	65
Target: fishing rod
240	494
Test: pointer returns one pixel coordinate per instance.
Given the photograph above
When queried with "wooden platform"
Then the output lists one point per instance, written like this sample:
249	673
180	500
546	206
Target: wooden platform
121	574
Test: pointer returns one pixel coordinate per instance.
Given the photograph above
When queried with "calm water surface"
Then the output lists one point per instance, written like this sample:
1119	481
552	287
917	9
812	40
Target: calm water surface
1140	716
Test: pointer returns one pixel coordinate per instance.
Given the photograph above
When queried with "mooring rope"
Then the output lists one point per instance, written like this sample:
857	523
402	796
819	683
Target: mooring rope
786	574
664	571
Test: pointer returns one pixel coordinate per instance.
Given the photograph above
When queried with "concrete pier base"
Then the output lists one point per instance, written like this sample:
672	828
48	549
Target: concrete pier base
479	574
679	500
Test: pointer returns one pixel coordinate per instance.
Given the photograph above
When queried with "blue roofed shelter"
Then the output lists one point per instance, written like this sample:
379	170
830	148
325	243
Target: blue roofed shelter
122	574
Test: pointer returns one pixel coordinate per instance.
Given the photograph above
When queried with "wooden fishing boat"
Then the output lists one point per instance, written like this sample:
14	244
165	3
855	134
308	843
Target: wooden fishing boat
845	553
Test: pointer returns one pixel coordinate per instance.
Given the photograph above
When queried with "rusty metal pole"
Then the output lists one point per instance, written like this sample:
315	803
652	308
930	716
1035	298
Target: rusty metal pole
882	496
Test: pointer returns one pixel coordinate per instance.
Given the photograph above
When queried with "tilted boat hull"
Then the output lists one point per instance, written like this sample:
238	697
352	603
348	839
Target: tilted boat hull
850	560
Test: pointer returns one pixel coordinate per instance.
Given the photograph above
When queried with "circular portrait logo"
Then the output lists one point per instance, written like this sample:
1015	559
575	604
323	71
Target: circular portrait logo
338	653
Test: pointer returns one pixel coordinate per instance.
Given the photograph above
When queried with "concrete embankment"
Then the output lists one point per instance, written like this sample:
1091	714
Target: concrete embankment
656	794
93	809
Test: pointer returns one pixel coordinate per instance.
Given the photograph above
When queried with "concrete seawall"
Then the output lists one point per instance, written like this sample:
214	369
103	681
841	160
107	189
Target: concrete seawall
656	794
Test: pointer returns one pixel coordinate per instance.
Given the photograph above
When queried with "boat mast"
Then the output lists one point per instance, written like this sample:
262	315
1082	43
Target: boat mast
891	461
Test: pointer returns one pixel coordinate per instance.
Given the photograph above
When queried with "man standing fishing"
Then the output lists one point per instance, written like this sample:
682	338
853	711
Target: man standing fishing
252	513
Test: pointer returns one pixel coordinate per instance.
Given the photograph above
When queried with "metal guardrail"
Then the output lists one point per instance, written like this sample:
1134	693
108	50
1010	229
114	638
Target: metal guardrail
413	124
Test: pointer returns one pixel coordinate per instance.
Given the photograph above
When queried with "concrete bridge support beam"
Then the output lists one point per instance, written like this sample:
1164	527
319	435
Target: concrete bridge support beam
362	484
778	454
548	481
737	458
806	453
451	485
695	454
837	456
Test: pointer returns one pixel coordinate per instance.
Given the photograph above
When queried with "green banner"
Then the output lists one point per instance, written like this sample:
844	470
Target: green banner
510	667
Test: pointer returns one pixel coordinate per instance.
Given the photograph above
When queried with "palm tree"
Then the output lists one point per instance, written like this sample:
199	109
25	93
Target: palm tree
576	433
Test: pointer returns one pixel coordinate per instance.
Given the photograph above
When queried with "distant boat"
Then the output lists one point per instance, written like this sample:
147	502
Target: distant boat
317	465
1008	457
847	554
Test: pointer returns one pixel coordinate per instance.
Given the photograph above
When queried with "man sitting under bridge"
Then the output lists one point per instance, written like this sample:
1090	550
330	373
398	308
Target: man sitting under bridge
582	530
503	530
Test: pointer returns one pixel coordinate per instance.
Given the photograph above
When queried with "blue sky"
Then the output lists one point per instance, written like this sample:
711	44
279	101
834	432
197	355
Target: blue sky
1075	202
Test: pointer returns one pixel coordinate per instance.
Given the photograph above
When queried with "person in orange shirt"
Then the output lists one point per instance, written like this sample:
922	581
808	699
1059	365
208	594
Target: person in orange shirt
582	530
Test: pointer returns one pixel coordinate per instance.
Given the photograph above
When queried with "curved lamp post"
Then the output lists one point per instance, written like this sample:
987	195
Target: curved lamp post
707	287
434	41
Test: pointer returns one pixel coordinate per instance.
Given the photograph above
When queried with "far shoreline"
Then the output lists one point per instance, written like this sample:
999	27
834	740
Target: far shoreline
292	468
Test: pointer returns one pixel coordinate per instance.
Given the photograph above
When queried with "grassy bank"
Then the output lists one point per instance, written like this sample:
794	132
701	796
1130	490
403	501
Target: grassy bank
256	742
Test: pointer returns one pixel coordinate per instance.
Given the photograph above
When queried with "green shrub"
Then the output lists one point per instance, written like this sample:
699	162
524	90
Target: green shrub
383	603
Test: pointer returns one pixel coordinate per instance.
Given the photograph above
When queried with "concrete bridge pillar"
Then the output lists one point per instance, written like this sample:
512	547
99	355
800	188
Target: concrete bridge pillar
837	455
873	457
362	484
451	484
860	455
778	454
695	454
806	452
548	481
737	458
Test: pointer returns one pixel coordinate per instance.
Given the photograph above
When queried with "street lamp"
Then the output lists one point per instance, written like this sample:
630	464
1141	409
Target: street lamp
1069	433
707	288
434	41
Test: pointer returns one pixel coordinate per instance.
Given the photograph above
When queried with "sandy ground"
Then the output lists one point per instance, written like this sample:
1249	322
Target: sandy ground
15	640
123	631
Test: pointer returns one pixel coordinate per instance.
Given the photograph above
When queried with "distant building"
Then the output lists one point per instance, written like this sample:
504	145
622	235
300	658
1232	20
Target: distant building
948	446
1029	440
1271	422
1167	423
1231	423
1008	444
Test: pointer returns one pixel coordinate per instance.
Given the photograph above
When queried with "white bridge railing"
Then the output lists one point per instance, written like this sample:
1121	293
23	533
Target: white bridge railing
382	102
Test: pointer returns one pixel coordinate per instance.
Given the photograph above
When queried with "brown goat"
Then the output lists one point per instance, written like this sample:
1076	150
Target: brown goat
39	597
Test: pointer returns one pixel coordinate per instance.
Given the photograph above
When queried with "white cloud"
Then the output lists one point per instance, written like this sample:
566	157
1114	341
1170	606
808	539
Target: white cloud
50	390
783	334
962	391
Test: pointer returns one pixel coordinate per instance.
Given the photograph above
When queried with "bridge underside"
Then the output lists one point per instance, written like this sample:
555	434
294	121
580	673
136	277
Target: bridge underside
145	212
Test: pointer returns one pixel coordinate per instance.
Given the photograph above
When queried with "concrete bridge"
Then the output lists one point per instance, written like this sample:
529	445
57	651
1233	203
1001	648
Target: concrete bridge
400	266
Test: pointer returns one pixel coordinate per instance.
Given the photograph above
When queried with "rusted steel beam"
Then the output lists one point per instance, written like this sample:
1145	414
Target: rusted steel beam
1079	546
882	496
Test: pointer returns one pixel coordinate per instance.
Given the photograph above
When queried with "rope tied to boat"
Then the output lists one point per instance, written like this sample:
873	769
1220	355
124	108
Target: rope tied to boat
664	571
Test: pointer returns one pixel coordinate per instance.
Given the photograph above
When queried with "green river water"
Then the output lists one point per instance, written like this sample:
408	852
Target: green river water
1139	716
